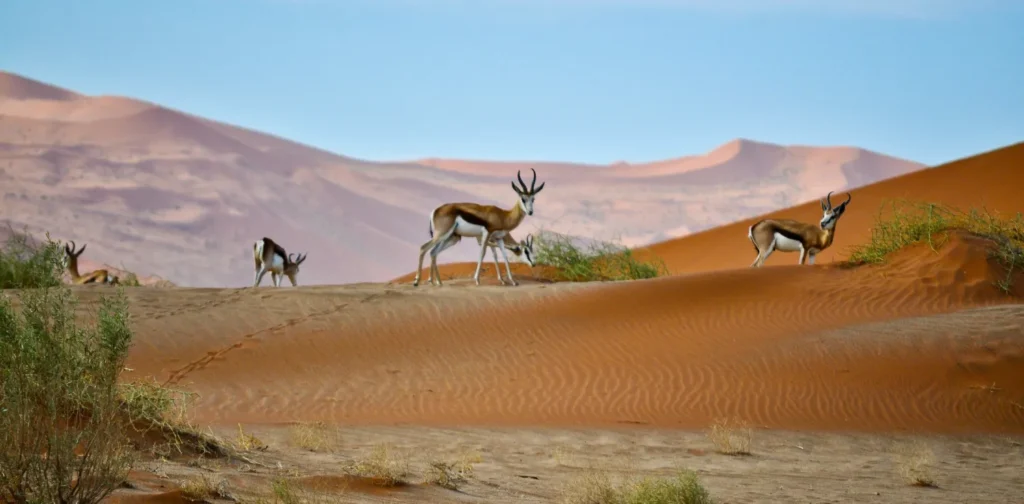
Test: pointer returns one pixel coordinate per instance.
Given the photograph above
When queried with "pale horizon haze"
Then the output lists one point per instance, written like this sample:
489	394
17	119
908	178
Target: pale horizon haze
592	82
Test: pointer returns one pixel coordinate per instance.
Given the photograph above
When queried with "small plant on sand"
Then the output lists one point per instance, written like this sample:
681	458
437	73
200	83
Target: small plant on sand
62	436
599	261
26	263
915	463
598	488
315	437
450	475
283	491
731	437
151	407
202	487
384	466
911	222
247	441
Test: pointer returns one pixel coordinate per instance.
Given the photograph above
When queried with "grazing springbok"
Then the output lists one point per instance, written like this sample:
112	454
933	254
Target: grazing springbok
787	235
522	250
475	220
100	276
267	256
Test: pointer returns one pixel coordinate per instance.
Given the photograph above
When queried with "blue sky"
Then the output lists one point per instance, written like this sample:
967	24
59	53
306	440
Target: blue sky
589	81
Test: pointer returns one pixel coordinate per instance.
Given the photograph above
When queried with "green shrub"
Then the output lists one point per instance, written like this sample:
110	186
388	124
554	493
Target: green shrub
62	437
914	222
26	263
599	261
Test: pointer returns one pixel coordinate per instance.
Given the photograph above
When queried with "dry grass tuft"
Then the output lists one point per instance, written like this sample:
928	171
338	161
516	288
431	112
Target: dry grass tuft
283	491
450	475
316	437
202	487
384	466
915	463
731	437
247	442
596	487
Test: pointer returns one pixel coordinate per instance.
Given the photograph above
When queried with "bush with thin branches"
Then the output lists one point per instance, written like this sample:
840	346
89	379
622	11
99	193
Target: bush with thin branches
62	436
26	263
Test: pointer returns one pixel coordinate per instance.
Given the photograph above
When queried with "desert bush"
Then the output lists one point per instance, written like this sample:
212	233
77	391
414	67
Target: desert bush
598	261
914	222
915	463
315	437
384	466
731	437
450	475
151	407
62	437
597	488
27	263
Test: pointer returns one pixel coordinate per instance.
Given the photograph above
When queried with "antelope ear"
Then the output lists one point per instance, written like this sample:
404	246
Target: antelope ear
539	188
516	189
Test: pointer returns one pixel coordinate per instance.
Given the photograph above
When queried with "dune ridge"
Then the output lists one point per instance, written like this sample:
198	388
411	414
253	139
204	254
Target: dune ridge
824	348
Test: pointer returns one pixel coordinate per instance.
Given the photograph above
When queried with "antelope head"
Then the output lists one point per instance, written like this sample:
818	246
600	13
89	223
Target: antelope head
829	214
526	195
71	255
293	267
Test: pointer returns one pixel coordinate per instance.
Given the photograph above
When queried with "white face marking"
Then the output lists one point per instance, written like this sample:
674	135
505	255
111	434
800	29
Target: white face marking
785	244
526	203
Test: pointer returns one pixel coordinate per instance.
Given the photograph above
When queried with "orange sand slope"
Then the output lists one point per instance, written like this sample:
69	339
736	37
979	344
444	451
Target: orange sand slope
785	347
990	180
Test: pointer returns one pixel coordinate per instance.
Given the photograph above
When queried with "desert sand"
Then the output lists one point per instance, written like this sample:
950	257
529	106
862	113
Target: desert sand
847	377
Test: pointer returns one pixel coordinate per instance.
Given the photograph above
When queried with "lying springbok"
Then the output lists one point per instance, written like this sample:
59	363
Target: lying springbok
100	276
787	235
522	250
475	220
267	256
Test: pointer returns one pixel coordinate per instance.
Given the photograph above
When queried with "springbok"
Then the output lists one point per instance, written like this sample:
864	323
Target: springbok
100	276
475	220
267	256
787	235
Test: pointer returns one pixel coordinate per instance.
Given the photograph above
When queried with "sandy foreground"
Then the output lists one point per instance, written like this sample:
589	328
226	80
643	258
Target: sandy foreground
846	376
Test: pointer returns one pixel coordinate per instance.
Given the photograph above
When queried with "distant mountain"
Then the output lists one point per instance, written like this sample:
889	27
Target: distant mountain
166	193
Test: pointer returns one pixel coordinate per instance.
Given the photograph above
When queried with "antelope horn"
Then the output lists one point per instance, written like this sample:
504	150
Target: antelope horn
301	258
291	257
70	250
520	177
534	182
848	198
829	199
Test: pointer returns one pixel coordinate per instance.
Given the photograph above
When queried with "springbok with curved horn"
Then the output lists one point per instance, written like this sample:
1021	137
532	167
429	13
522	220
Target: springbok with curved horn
100	276
488	222
267	256
522	250
787	235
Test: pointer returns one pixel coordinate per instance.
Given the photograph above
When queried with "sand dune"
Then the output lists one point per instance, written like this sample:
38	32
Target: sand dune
986	181
868	348
110	170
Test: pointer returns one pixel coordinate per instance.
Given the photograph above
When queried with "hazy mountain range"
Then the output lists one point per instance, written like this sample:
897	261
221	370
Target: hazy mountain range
168	193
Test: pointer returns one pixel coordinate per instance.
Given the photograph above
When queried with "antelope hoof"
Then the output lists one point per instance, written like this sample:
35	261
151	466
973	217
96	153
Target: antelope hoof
515	283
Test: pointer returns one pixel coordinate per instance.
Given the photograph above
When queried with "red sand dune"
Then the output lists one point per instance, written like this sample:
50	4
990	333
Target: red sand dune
989	180
868	348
